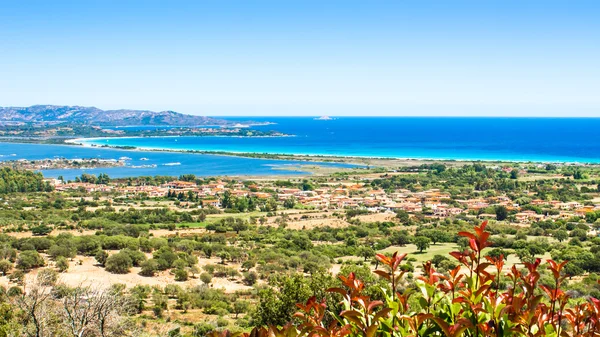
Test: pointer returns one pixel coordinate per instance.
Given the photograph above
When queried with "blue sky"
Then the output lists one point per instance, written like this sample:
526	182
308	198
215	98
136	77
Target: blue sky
523	58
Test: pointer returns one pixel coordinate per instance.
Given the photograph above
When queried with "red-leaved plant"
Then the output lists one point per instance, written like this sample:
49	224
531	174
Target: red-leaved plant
467	301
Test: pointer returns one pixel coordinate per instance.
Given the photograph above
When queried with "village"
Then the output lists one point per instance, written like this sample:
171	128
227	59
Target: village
431	203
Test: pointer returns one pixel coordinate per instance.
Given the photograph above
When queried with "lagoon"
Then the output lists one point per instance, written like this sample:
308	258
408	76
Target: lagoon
167	163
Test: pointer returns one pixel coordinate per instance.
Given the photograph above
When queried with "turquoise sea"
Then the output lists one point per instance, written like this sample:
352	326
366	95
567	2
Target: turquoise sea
514	139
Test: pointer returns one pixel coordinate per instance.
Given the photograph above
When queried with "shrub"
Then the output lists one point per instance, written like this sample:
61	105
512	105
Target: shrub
61	251
165	257
250	278
101	257
41	230
18	276
47	277
119	263
136	256
62	264
181	275
5	267
149	267
30	259
206	278
158	311
221	322
14	291
201	329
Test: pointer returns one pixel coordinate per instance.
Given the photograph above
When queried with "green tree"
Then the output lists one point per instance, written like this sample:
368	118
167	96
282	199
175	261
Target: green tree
202	329
307	185
165	257
365	252
579	233
207	250
403	217
561	235
501	213
572	269
248	264
278	302
241	204
422	243
289	202
400	238
240	307
435	235
103	179
497	252
224	256
239	225
227	200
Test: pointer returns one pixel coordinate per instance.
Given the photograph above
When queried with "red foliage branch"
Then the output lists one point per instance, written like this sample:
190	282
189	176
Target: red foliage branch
467	301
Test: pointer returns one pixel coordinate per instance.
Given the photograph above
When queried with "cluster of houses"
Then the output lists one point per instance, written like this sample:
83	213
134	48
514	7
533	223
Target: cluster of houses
438	204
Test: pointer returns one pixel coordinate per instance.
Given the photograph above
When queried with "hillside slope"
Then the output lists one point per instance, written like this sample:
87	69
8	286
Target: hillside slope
93	115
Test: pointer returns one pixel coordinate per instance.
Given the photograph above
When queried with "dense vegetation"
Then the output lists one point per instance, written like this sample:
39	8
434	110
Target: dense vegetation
476	298
12	181
257	246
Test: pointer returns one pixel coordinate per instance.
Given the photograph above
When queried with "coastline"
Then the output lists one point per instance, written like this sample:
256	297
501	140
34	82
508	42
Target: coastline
354	159
237	125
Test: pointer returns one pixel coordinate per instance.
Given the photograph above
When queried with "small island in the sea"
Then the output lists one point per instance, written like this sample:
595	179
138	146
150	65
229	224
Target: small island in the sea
61	133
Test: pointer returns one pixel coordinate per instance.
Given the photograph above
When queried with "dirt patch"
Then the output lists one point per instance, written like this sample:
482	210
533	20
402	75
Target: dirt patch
23	235
153	232
314	223
381	217
84	270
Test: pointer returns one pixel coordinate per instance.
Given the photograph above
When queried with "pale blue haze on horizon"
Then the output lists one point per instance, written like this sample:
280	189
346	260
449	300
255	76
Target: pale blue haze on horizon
236	58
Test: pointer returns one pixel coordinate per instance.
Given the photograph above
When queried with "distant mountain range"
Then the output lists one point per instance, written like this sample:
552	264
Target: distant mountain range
54	114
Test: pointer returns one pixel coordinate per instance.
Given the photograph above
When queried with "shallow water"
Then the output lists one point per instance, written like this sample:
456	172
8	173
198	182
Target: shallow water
516	139
166	162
